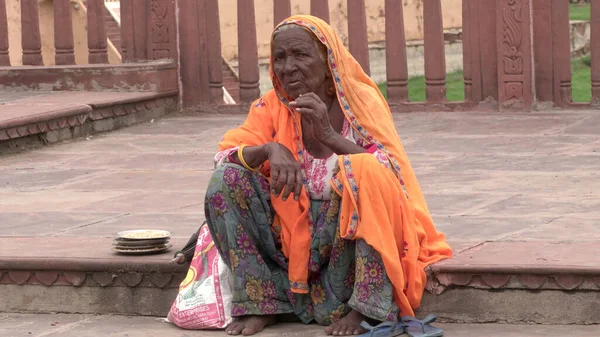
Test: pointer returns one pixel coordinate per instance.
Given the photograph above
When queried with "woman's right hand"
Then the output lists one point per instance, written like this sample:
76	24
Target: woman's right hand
286	174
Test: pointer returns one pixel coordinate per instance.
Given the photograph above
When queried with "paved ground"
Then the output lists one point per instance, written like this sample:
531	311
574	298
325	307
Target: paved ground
15	96
487	177
18	325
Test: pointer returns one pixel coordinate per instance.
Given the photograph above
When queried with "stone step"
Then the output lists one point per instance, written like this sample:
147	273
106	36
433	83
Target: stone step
106	325
83	275
34	118
538	282
529	284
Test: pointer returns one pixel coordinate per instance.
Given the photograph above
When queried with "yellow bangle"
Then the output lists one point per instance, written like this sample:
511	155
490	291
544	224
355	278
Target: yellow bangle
241	158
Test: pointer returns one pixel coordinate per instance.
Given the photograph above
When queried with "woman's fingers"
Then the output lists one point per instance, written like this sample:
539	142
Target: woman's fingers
298	185
289	185
286	174
307	103
289	180
310	100
274	178
281	181
309	113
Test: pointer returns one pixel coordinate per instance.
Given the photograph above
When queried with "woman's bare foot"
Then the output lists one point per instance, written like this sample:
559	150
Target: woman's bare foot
249	325
347	326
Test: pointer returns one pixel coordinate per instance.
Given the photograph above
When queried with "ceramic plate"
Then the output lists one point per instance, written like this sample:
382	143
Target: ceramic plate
139	243
143	234
144	251
129	247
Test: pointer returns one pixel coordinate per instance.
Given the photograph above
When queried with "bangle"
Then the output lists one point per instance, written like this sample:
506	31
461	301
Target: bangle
241	158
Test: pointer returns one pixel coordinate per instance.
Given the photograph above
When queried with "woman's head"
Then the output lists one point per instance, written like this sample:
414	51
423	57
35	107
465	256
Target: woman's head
300	62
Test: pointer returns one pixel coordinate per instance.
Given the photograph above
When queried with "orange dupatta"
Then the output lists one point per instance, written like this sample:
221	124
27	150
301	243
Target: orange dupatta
271	120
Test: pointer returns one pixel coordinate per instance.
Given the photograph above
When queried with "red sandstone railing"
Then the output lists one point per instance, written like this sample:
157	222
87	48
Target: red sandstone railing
595	49
4	56
516	53
397	69
146	34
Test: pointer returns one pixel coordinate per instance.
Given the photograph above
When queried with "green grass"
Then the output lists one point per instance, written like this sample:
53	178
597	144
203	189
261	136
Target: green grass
581	84
455	87
581	81
579	11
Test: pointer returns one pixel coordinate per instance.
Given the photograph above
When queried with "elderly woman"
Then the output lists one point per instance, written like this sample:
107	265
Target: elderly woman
314	204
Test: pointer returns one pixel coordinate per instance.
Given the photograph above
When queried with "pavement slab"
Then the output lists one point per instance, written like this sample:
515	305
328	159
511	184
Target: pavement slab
487	177
28	325
512	192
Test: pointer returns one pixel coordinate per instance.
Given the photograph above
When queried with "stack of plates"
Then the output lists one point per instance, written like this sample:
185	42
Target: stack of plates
142	241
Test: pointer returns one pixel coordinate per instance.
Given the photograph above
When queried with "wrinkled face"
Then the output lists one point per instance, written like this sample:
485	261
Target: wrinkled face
297	63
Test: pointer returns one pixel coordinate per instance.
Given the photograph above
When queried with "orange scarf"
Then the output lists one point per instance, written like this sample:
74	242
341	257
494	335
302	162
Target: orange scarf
399	225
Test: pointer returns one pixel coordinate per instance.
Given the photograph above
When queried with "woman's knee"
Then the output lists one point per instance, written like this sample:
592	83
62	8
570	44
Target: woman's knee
226	177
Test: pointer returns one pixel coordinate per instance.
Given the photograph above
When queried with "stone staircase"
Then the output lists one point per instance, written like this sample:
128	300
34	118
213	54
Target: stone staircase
113	30
231	81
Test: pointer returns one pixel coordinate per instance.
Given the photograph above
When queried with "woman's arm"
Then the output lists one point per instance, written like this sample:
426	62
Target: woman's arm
341	146
257	129
254	156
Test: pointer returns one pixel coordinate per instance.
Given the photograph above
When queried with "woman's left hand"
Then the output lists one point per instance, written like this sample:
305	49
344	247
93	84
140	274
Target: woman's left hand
312	107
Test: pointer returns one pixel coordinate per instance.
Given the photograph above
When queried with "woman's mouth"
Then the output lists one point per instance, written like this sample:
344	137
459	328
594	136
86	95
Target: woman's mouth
294	84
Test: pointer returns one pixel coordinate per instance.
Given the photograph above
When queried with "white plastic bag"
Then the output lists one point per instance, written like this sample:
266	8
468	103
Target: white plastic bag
204	299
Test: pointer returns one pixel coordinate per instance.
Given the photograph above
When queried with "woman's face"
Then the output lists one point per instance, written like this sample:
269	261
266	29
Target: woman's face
297	63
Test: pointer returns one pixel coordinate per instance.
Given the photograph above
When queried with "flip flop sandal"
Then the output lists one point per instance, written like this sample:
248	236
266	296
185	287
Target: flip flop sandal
421	328
385	329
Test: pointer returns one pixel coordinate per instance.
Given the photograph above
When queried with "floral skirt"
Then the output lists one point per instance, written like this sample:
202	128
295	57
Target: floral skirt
344	274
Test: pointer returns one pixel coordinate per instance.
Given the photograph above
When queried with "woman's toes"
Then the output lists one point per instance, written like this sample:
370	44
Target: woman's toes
249	331
329	330
237	329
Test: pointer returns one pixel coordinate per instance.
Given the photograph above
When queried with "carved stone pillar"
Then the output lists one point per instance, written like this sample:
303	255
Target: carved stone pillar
434	50
96	27
4	57
162	35
320	9
514	55
247	52
358	41
282	9
595	47
395	52
63	33
30	34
